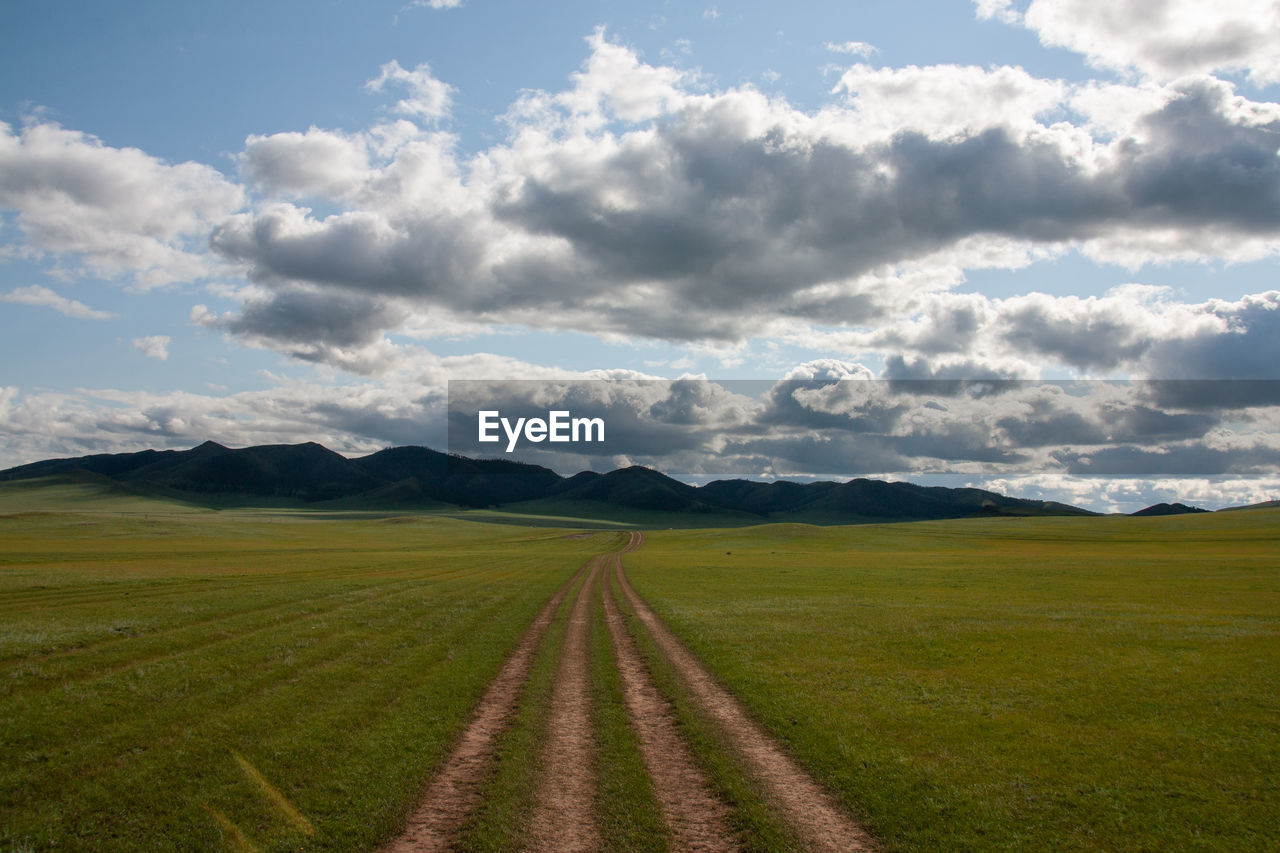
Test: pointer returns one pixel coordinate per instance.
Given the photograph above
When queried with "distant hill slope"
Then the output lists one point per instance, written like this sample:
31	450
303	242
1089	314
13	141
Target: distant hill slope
407	477
1168	509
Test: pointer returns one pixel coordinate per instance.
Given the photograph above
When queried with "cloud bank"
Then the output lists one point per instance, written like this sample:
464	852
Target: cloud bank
640	204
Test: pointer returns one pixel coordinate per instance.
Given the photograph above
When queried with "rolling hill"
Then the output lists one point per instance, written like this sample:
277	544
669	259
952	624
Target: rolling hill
417	477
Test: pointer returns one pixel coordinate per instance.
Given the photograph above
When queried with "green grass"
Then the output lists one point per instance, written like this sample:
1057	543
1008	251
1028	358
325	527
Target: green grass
501	822
757	825
585	512
82	492
177	678
1005	684
207	681
629	815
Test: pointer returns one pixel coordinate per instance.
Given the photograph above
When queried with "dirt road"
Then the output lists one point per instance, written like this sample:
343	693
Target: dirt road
565	814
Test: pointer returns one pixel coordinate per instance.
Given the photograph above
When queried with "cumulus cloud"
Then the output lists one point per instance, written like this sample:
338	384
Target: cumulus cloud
428	97
315	163
120	211
1136	330
153	346
1235	340
637	202
37	295
340	329
1161	38
633	203
944	101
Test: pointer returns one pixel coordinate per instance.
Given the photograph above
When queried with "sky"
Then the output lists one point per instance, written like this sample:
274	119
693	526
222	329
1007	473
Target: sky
298	221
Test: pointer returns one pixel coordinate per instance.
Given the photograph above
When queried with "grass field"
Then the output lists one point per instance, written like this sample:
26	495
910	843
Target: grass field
233	681
177	678
1005	684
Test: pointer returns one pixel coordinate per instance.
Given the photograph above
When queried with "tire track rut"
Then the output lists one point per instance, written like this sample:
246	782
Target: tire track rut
564	820
454	792
564	817
802	802
698	820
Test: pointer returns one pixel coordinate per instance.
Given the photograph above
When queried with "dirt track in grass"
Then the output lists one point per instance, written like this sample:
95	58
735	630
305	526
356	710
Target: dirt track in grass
801	801
455	790
564	820
565	815
698	820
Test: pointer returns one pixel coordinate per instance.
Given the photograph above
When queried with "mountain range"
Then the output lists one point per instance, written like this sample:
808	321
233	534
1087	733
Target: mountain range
418	477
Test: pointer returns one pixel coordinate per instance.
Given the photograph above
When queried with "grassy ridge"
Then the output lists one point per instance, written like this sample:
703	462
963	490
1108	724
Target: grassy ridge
1065	684
205	681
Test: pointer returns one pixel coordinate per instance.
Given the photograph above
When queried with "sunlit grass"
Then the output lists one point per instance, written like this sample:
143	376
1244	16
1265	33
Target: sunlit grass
1056	684
210	681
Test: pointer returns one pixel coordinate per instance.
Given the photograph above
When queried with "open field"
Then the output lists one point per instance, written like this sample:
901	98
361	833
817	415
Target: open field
198	681
177	678
1055	684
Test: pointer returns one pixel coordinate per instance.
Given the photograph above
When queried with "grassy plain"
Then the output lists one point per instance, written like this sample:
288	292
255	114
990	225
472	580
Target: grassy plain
1005	684
177	678
173	678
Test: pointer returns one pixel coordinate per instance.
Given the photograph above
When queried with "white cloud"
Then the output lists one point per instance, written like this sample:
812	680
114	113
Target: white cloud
437	4
122	212
1134	330
1001	10
429	98
631	205
637	203
944	101
315	163
153	346
37	295
1164	39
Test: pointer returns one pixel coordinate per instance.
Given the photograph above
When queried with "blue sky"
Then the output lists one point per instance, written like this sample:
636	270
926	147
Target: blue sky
297	221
